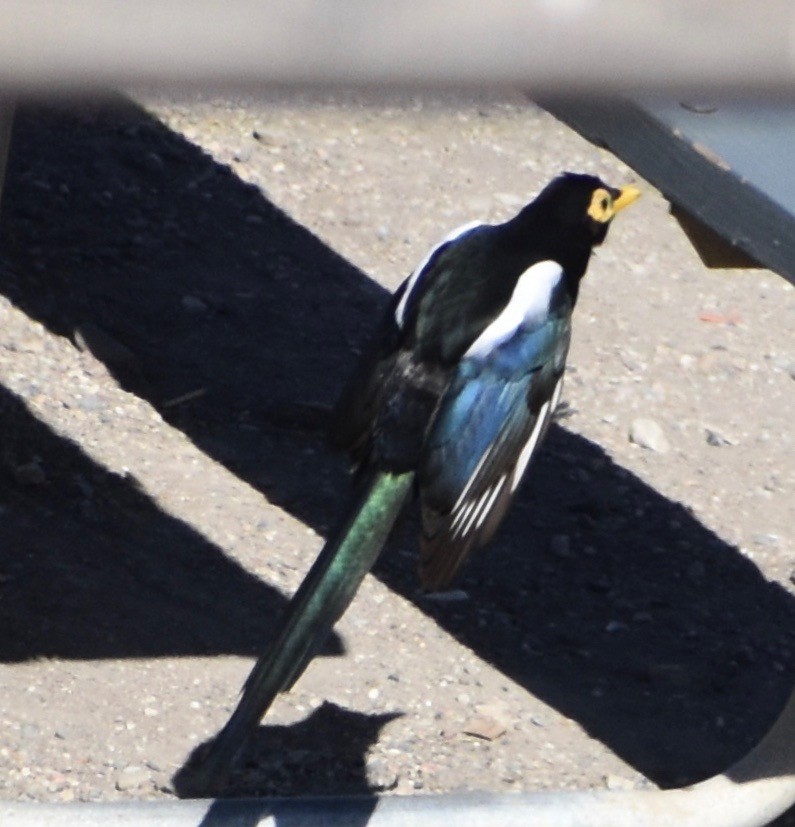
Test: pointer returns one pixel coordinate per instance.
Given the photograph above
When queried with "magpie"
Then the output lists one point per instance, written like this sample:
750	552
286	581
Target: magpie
450	402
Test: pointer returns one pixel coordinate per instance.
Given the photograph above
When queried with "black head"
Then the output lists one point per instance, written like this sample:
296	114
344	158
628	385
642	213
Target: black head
582	206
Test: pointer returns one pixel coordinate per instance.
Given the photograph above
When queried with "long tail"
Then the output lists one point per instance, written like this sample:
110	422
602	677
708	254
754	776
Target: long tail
320	601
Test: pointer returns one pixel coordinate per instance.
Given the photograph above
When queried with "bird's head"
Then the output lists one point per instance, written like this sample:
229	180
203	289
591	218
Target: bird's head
583	206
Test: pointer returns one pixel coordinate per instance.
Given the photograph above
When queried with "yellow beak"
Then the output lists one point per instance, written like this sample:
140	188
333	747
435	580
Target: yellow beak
627	195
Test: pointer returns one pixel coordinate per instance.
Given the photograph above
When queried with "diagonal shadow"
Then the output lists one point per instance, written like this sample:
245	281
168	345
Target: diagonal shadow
659	638
640	623
90	567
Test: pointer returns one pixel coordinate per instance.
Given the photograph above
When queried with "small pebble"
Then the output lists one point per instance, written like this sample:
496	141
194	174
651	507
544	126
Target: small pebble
715	439
616	782
193	304
131	778
31	473
649	434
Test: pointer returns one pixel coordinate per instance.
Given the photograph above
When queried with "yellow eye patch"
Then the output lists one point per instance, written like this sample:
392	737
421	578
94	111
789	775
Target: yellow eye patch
601	208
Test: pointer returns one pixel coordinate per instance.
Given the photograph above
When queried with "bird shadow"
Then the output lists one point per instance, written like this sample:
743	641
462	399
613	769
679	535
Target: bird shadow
307	758
239	326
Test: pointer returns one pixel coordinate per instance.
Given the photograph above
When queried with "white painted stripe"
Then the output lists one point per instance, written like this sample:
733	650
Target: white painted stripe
530	299
416	276
527	451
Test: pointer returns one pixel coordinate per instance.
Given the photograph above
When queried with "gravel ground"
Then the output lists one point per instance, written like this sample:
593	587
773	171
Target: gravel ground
186	281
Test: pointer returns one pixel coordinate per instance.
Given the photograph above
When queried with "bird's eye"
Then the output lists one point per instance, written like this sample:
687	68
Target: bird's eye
601	206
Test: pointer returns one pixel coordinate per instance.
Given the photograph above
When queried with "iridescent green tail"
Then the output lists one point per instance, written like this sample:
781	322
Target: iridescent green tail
320	601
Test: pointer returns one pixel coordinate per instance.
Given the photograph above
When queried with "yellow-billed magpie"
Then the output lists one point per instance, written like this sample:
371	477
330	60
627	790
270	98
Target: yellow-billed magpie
451	400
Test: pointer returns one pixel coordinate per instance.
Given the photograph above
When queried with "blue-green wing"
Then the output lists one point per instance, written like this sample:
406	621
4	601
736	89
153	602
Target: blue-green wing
489	424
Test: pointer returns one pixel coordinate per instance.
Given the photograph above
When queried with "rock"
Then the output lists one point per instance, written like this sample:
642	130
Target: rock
617	782
485	727
649	434
131	778
243	154
381	775
768	540
715	439
193	304
31	473
492	721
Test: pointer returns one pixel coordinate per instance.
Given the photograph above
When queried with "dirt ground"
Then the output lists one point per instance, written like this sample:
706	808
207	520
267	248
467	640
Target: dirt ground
185	282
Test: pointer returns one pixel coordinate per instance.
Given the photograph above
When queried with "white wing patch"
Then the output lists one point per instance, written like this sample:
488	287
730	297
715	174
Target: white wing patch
472	478
473	513
529	447
530	298
490	502
547	409
416	276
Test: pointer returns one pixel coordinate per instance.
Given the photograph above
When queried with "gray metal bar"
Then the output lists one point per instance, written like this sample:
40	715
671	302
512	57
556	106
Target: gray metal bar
603	45
752	793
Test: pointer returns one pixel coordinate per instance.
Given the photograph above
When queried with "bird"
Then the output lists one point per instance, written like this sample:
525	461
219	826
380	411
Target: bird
449	404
